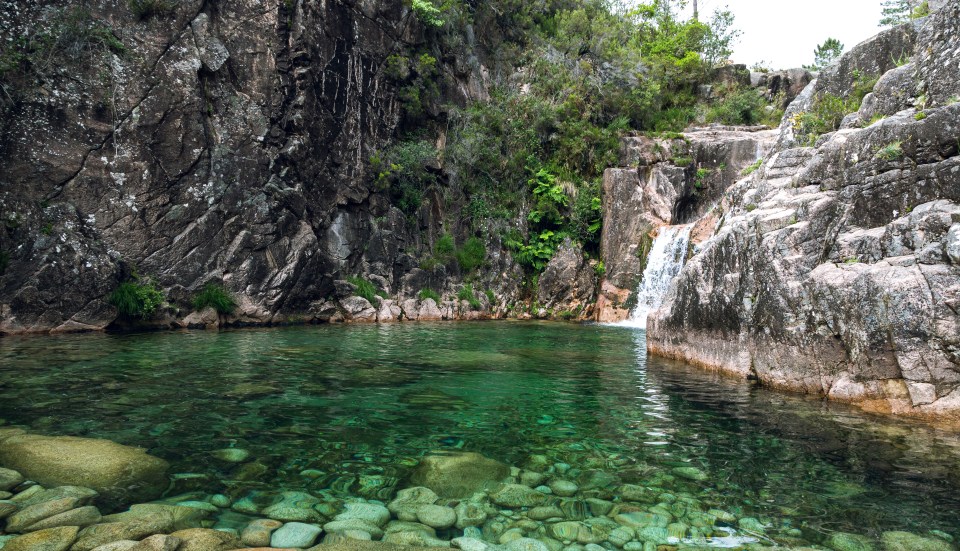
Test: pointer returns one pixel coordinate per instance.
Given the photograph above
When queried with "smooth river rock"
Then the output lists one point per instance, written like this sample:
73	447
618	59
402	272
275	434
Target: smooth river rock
54	539
458	474
295	534
119	473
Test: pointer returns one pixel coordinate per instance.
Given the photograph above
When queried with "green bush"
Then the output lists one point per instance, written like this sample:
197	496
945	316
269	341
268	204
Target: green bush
491	298
429	293
365	289
472	254
445	250
139	298
467	294
214	296
742	106
402	170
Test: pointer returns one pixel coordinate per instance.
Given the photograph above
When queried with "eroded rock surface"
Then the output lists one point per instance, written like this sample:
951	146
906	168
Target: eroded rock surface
832	271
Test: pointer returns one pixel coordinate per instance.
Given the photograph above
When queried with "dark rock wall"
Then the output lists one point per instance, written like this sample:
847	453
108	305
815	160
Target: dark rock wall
226	141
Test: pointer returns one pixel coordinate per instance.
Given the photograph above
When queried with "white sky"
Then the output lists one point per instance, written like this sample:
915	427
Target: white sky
784	34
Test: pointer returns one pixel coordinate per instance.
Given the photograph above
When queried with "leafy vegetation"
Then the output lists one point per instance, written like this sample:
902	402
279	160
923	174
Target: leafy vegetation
828	111
472	254
404	172
429	293
825	54
214	296
752	168
138	298
467	294
897	12
427	12
890	152
366	289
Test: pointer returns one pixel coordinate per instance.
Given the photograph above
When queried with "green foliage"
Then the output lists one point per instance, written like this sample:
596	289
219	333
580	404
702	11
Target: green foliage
138	298
427	13
825	54
890	152
491	298
404	171
214	296
445	249
828	111
751	207
429	293
417	78
897	12
600	269
539	251
145	9
643	250
920	115
467	294
701	177
738	106
472	254
752	168
365	289
74	35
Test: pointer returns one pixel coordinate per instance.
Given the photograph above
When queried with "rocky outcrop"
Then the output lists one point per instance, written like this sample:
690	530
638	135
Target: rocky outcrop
569	282
831	272
199	143
663	182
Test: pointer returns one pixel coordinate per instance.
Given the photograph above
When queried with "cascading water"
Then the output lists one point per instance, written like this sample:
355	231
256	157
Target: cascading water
664	262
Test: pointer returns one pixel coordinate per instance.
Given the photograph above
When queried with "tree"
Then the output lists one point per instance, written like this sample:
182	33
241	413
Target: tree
825	54
896	12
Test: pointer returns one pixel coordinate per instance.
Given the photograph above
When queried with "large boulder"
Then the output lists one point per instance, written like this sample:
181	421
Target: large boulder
458	474
119	473
568	282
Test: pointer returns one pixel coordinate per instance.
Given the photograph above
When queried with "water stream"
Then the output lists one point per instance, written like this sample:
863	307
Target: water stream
664	262
345	413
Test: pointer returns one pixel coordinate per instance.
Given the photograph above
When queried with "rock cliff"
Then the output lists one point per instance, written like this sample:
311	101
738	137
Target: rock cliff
833	269
196	142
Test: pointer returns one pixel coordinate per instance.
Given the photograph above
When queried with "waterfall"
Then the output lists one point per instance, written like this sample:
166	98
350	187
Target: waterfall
664	262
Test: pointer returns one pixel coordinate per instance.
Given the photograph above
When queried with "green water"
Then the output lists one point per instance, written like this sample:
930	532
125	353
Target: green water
356	406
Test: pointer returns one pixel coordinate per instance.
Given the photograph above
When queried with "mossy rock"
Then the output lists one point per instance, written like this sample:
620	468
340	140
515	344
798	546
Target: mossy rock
458	474
120	474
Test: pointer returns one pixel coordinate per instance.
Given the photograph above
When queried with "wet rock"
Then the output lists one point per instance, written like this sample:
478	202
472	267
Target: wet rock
22	519
640	519
9	478
563	488
7	507
544	513
516	495
294	507
842	541
258	532
119	473
568	282
458	474
122	545
409	500
354	524
202	539
690	473
416	538
81	516
158	542
436	516
53	539
905	541
295	534
231	455
526	544
378	515
468	514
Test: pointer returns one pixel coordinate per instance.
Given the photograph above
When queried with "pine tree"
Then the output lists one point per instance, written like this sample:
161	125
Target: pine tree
825	54
896	12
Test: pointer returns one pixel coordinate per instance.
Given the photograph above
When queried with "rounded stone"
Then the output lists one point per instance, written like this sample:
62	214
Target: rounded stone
231	455
517	495
563	488
437	516
295	534
121	474
905	541
458	474
258	532
370	512
526	544
9	479
53	539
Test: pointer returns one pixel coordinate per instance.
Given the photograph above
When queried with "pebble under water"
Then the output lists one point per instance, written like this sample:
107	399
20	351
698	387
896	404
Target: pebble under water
347	411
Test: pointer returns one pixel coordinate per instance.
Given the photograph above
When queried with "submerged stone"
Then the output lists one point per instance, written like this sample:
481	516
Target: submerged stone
842	541
516	495
295	534
458	474
905	541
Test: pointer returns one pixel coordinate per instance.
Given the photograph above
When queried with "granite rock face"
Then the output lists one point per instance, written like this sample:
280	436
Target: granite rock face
223	144
832	271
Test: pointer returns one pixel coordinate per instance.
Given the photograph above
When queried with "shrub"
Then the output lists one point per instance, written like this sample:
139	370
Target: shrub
492	298
467	294
427	13
445	249
139	298
752	168
429	293
890	152
365	289
214	296
145	9
738	107
472	254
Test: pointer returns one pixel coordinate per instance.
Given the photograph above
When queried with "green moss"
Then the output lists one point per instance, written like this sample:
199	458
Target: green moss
139	298
214	296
